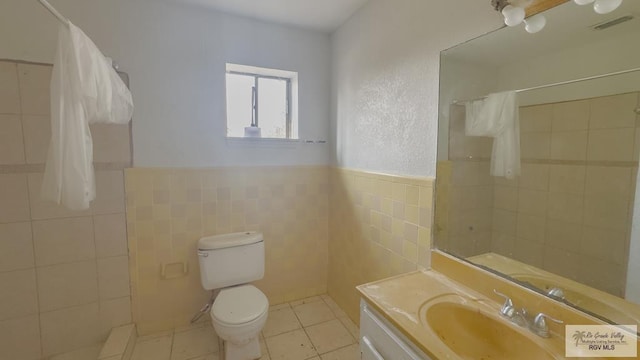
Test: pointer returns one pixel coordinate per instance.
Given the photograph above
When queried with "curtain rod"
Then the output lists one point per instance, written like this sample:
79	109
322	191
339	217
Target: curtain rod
459	102
66	22
55	12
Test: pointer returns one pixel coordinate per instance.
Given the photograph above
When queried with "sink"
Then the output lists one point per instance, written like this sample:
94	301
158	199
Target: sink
579	298
472	334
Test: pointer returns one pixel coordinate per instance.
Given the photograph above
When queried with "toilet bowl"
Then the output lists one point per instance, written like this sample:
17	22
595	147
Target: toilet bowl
238	315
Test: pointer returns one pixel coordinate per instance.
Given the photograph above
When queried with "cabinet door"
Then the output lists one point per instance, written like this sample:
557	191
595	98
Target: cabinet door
380	341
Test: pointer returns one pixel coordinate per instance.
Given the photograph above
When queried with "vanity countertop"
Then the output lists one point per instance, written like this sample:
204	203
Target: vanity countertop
402	301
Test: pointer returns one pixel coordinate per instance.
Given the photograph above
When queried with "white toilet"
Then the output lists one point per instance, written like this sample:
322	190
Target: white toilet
229	262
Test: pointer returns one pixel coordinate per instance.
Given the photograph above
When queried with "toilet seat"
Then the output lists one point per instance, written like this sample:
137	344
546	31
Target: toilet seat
239	306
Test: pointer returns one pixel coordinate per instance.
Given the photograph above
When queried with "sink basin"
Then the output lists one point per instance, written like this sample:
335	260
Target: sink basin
471	334
579	298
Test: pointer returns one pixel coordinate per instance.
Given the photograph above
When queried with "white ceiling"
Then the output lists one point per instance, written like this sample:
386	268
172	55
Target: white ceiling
323	15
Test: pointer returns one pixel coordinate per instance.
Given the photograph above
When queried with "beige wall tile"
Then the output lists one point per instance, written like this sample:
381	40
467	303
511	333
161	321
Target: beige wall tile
504	222
9	89
14	198
16	246
37	134
113	277
20	338
569	145
532	202
611	145
19	296
606	211
61	286
531	228
44	209
572	115
111	143
535	145
604	244
61	241
568	179
11	140
614	111
534	176
71	328
531	253
566	207
563	235
34	88
109	193
536	118
110	235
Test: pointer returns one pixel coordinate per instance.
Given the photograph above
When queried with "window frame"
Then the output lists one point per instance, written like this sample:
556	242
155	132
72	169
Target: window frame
290	78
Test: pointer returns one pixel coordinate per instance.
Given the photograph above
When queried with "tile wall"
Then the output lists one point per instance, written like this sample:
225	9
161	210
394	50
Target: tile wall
464	192
64	275
380	226
570	211
169	210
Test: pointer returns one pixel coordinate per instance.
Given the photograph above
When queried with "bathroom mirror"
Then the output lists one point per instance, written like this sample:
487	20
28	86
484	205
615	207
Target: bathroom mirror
565	226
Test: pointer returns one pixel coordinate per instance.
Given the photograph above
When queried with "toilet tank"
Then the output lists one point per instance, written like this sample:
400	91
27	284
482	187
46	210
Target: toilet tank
231	259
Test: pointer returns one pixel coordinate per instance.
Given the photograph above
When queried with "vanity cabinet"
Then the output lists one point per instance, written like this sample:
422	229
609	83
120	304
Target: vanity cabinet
379	340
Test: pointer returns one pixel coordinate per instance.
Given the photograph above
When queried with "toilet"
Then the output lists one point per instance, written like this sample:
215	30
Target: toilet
228	263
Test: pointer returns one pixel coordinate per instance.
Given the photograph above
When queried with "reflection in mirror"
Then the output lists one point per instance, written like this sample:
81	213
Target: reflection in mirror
565	226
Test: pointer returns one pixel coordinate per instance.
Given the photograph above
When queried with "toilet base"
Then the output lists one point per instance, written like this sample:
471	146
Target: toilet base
248	351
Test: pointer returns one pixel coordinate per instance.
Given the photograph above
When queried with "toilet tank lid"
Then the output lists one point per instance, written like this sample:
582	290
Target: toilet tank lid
229	240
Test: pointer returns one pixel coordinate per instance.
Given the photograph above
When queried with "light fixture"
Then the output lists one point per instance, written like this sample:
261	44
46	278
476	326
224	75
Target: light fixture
513	15
606	6
601	6
535	23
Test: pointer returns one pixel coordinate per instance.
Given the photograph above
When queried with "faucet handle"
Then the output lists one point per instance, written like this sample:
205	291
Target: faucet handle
540	325
507	309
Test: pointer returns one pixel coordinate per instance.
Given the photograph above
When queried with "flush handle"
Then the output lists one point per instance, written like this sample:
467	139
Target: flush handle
203	253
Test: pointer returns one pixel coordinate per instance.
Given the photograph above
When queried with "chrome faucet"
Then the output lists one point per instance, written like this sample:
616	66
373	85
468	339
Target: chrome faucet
556	293
537	325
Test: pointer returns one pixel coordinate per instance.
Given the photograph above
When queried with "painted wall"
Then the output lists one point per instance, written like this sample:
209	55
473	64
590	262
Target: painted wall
385	80
176	55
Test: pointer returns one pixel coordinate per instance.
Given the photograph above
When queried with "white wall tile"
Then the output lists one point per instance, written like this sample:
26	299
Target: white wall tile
19	296
16	246
37	135
66	285
113	277
61	241
20	339
71	328
14	198
11	140
114	313
109	193
110	235
9	89
34	88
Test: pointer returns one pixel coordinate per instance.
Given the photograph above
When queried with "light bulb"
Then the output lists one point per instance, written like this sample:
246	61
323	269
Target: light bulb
583	2
513	15
535	23
606	6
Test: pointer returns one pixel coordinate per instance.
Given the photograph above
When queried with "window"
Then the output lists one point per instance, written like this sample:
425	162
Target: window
261	102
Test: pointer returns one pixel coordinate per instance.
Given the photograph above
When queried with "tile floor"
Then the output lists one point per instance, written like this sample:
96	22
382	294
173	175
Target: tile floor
314	328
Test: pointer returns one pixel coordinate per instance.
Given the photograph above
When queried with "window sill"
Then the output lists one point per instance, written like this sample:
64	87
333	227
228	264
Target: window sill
263	142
